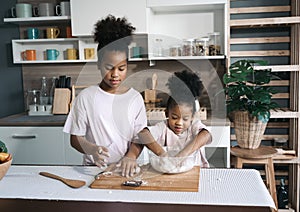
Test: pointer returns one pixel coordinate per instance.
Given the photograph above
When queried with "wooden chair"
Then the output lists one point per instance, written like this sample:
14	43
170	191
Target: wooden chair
261	155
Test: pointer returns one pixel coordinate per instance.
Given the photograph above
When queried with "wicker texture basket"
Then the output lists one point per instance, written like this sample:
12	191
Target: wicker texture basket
248	130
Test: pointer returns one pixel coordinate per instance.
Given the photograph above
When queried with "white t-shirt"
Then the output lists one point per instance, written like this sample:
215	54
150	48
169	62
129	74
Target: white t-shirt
166	137
110	120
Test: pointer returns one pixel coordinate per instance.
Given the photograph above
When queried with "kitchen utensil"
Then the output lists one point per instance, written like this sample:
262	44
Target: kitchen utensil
152	181
70	182
154	81
285	152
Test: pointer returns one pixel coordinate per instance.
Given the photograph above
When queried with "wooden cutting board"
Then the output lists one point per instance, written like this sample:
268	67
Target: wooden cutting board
152	180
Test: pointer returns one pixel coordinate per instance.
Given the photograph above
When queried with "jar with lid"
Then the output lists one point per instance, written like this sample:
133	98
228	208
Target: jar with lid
175	51
158	50
32	100
188	47
214	43
201	46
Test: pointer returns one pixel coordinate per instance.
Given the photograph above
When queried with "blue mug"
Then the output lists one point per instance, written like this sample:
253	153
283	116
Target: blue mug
33	33
52	54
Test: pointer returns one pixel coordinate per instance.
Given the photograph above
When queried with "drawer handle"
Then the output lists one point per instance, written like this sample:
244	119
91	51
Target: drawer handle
24	136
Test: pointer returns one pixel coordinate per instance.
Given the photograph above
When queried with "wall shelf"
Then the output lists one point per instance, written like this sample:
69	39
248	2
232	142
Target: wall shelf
37	19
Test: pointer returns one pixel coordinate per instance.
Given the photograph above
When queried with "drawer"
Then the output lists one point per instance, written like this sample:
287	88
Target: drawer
34	145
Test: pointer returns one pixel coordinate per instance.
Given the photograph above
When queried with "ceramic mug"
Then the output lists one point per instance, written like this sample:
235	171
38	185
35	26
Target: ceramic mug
63	9
136	51
33	33
21	11
69	32
52	54
44	9
89	53
72	54
29	54
52	32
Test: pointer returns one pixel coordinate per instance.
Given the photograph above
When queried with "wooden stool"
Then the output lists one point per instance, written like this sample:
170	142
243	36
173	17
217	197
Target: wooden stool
261	155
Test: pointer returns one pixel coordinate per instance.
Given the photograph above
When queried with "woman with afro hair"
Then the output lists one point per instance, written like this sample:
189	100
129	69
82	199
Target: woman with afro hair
105	119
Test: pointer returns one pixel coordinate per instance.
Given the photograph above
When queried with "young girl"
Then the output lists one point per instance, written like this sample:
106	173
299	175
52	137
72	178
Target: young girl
180	130
105	118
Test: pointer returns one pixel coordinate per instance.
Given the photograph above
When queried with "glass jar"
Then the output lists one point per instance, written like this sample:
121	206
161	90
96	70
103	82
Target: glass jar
175	51
32	100
158	50
202	46
214	43
188	47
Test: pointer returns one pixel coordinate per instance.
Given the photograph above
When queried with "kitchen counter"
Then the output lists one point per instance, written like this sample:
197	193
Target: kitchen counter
23	119
219	190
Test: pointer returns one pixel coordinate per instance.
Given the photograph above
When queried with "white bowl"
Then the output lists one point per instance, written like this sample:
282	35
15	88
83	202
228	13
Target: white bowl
171	164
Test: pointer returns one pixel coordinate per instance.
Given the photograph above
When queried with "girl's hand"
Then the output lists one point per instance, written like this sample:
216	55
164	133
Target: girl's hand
128	166
100	155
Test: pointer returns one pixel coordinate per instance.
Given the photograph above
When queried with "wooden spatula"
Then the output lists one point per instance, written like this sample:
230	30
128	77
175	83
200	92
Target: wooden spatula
69	182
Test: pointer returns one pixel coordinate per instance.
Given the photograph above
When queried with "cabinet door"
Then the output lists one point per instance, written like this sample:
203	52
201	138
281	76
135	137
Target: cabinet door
72	156
34	145
84	14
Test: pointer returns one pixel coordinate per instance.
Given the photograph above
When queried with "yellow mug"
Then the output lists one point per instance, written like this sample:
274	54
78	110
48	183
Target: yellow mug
72	54
52	32
89	53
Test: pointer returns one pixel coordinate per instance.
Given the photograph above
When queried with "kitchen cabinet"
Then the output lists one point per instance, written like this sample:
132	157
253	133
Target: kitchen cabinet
39	145
271	32
171	22
218	152
86	14
168	21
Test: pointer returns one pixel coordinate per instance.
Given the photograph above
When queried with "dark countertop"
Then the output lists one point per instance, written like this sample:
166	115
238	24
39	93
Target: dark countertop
59	120
24	120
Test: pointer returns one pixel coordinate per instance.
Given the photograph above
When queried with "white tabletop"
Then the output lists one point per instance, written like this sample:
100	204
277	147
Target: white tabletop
236	187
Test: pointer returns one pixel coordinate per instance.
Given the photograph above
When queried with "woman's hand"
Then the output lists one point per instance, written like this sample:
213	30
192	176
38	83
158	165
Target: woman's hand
100	154
128	166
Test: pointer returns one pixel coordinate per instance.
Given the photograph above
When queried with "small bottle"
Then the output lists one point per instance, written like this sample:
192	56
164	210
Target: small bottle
44	92
51	94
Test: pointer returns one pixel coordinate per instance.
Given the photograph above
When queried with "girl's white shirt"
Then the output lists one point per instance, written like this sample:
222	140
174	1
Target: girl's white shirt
110	120
166	137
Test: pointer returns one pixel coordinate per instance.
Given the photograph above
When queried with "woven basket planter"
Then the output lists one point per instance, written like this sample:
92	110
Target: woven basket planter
248	130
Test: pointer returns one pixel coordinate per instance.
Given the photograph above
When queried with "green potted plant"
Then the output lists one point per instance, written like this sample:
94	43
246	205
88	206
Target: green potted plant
249	100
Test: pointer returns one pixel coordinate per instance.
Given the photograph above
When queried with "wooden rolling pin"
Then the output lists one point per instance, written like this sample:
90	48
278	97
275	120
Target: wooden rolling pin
285	152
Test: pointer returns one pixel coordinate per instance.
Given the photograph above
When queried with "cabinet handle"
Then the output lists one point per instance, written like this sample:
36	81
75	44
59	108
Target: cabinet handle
24	136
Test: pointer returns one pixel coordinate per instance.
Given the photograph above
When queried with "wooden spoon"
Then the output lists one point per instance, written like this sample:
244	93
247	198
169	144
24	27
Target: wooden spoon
69	182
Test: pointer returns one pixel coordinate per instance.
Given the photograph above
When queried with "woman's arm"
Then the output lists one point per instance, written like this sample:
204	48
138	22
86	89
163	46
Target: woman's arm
202	138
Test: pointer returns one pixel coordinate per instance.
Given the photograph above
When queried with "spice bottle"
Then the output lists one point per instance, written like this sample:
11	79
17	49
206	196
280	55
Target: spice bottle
214	43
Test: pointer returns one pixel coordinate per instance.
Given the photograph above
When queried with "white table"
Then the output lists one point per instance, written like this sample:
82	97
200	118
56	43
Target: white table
218	188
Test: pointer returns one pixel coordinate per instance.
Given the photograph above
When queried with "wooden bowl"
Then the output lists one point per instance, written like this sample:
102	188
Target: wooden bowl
4	168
